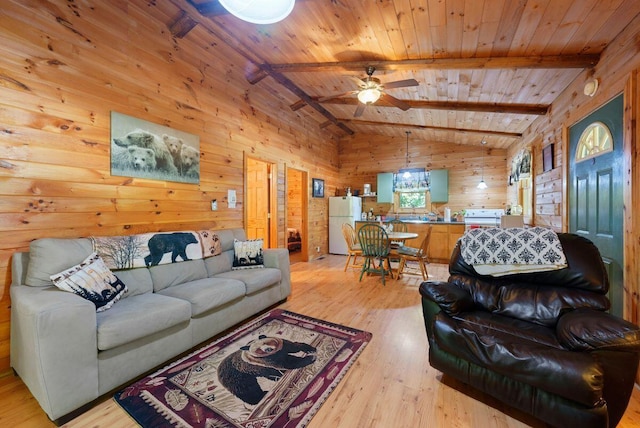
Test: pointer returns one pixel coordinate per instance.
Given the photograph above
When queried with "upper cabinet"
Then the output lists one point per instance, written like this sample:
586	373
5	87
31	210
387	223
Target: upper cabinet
439	185
385	187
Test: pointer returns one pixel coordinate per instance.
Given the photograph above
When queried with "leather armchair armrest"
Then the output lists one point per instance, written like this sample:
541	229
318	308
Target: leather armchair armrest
588	329
451	299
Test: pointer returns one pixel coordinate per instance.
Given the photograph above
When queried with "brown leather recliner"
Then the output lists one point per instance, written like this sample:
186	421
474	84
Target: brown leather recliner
540	342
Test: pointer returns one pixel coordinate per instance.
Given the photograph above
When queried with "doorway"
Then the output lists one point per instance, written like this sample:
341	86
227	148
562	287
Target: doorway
261	201
296	220
596	189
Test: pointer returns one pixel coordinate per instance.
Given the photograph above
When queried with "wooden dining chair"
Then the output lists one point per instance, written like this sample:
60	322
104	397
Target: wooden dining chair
374	243
419	255
398	225
353	247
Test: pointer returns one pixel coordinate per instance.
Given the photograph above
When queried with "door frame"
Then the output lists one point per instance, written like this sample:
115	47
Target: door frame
305	208
273	197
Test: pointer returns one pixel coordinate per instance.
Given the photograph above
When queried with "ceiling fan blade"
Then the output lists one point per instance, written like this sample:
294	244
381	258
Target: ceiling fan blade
396	102
330	97
401	84
357	80
359	110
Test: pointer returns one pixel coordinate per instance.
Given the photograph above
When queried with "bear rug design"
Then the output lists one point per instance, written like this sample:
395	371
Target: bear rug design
275	371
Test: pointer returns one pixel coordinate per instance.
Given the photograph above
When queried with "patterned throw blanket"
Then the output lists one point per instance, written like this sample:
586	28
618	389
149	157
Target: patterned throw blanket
498	252
151	249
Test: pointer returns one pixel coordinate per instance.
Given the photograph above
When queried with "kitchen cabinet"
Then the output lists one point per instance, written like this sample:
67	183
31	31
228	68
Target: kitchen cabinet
385	187
439	179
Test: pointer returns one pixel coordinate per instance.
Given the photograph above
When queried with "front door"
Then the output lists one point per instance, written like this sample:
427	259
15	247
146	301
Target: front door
596	189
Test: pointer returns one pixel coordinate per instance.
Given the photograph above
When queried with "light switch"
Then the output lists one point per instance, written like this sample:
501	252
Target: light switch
214	205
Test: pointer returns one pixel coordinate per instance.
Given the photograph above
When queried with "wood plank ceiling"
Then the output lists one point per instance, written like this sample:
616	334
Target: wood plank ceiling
485	68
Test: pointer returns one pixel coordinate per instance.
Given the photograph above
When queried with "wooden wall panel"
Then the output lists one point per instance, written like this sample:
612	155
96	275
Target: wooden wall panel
66	66
362	157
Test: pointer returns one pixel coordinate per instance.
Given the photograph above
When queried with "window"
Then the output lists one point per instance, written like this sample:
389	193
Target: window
595	140
411	200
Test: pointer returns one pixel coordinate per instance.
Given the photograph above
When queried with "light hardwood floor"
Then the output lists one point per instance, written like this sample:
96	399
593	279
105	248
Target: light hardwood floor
390	385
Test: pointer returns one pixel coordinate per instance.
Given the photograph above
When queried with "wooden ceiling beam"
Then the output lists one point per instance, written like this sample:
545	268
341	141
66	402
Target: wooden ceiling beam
433	128
506	62
527	109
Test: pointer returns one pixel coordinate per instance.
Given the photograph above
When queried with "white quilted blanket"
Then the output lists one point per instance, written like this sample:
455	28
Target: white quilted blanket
497	252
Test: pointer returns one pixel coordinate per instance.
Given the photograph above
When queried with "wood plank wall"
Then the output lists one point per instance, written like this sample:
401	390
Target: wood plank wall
363	156
66	65
616	72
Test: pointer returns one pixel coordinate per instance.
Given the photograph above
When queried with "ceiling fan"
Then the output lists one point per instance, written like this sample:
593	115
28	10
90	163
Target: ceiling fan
370	90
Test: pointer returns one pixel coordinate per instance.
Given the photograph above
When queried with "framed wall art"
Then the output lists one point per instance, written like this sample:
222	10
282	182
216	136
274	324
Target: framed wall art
147	150
547	158
318	188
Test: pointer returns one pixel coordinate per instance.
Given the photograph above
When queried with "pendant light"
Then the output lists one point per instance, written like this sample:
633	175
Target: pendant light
482	185
407	173
259	11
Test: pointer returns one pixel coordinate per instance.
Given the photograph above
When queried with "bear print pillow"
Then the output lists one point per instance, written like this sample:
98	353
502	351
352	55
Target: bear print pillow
247	254
93	281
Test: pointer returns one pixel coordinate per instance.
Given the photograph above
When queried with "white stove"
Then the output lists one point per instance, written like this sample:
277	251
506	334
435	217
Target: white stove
484	217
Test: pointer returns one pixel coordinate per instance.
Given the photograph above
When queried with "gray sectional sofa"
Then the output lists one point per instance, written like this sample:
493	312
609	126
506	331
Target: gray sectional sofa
68	354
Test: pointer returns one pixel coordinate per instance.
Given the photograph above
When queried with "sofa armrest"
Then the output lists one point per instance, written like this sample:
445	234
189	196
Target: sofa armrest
451	299
588	329
54	347
279	258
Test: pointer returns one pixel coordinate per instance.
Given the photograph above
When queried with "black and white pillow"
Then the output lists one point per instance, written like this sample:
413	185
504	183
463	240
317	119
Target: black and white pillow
247	254
93	281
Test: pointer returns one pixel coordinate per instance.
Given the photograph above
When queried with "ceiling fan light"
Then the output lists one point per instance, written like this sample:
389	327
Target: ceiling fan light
482	185
259	11
369	95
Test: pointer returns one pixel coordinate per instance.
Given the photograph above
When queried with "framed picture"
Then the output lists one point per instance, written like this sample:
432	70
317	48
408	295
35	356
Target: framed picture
318	188
547	158
147	150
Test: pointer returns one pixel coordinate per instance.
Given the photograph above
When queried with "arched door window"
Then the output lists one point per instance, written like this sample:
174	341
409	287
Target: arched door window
595	140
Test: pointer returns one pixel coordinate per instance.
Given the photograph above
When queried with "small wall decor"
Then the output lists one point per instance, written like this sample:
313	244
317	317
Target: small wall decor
148	150
521	165
547	158
318	188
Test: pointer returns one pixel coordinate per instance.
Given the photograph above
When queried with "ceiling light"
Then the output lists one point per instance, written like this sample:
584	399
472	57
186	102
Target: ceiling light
482	185
369	95
259	11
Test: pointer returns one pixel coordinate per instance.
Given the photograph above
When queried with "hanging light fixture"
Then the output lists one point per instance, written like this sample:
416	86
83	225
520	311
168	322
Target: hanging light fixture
259	11
482	184
407	173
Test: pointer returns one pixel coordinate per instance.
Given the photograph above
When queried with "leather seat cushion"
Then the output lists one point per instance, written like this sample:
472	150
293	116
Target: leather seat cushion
522	351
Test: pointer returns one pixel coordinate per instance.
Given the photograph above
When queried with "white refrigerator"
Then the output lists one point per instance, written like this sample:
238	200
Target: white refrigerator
342	209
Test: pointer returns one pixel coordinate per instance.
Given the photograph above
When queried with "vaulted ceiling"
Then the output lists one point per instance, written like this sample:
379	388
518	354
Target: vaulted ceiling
485	68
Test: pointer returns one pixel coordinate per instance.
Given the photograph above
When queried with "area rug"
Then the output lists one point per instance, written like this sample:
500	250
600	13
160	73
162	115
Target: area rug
275	371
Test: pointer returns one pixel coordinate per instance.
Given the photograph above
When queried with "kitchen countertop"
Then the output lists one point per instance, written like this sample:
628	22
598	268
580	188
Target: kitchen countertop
415	222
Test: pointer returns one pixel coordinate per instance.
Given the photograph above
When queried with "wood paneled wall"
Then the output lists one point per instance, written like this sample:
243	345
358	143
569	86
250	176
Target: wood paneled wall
616	72
66	65
363	156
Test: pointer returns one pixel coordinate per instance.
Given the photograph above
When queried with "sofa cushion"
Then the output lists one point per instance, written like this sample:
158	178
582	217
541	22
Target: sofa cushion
206	294
168	275
254	279
91	280
219	264
138	317
138	281
248	254
49	256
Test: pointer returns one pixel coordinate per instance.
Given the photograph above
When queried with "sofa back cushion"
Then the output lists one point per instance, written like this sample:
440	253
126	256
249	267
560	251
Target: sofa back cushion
138	281
168	275
543	296
49	256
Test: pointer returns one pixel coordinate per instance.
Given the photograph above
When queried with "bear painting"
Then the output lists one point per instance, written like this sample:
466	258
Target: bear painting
174	243
176	154
267	358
